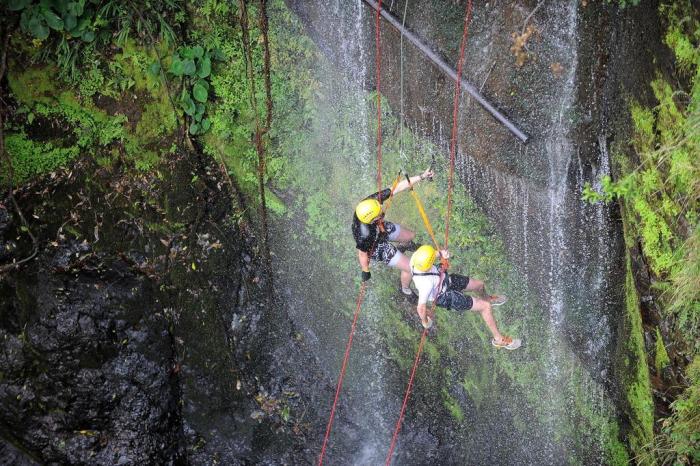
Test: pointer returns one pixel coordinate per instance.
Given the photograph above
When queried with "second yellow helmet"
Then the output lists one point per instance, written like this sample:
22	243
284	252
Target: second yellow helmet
423	258
368	210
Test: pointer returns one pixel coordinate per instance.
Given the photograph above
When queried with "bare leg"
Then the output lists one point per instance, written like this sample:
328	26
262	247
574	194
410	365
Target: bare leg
405	235
404	266
483	307
478	287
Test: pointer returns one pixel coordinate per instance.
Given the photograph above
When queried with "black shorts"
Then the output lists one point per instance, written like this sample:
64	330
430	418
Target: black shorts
452	297
385	251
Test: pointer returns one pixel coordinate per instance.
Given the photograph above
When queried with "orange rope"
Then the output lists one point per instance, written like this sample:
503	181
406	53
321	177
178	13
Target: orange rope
444	263
405	398
455	110
360	298
378	66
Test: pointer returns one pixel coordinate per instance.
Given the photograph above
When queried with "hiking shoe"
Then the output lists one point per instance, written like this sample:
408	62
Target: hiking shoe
428	324
411	298
410	246
507	343
497	299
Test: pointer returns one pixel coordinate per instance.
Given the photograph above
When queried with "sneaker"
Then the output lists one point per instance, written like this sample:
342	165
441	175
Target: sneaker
411	298
507	343
410	246
497	300
428	324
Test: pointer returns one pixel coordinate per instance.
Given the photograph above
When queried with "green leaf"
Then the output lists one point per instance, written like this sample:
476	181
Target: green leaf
154	69
88	36
24	20
16	5
60	7
38	28
187	52
76	8
198	51
30	117
84	23
177	67
189	67
200	108
70	22
204	67
198	117
205	125
52	19
194	128
200	91
188	105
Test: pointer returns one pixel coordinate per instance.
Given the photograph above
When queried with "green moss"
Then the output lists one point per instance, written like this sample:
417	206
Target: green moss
636	372
157	120
33	85
30	158
133	63
452	406
616	453
661	359
96	131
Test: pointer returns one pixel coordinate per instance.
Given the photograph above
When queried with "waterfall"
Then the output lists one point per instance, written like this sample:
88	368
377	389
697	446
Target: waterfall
562	250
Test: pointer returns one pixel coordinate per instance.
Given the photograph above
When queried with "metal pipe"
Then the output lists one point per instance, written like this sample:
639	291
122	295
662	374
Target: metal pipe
448	70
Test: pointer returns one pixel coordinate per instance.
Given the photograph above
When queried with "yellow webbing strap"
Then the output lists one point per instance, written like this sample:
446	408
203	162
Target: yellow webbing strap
391	194
423	215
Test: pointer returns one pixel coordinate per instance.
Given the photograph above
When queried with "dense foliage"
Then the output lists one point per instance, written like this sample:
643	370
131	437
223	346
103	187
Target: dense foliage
660	194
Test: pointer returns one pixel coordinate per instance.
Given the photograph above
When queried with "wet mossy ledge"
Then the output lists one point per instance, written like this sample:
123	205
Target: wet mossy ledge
54	123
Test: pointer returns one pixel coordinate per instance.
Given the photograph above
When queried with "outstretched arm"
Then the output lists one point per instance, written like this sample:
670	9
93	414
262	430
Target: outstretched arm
403	184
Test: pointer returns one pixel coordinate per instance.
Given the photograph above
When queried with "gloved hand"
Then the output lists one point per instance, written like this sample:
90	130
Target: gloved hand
366	276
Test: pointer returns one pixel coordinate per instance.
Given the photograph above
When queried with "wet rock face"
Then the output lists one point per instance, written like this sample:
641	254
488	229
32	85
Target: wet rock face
144	330
87	373
6	246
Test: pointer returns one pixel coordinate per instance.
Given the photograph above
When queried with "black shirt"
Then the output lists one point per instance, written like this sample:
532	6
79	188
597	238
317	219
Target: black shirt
367	235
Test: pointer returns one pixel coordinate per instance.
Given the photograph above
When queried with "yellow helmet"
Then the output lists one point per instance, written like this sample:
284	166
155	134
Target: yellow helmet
423	258
368	210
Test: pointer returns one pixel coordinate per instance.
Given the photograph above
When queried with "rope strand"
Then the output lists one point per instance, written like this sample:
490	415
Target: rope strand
360	298
455	111
405	398
378	66
450	186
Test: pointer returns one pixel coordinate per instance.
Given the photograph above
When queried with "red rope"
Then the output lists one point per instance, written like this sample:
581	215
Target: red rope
455	110
450	186
360	298
378	66
405	398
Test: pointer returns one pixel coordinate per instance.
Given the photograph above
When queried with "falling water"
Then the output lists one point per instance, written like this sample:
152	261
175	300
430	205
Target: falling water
559	244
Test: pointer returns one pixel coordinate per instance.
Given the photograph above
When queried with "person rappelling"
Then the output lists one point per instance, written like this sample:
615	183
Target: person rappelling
447	291
373	235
